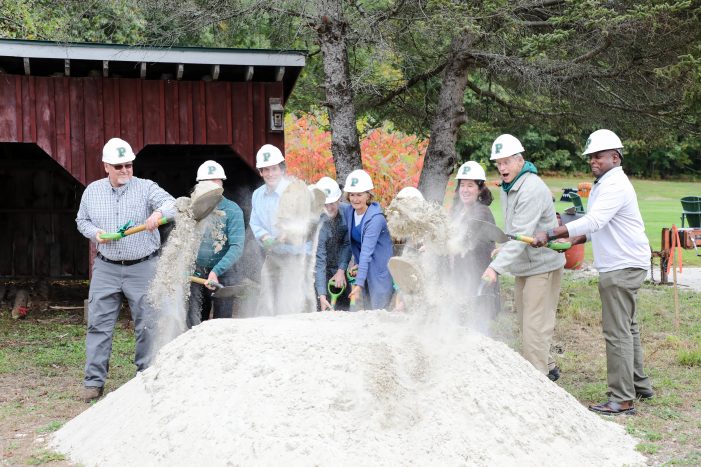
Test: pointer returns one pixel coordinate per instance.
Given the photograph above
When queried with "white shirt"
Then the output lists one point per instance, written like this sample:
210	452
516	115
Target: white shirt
614	224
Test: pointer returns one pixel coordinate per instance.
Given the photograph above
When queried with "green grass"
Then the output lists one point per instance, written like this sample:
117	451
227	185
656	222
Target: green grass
658	200
45	457
51	427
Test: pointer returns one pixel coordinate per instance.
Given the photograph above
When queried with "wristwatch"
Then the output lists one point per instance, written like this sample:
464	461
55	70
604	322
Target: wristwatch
551	234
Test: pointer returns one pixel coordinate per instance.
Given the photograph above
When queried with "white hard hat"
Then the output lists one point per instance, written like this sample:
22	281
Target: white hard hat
117	151
210	170
602	140
505	146
330	188
471	170
268	155
358	181
409	192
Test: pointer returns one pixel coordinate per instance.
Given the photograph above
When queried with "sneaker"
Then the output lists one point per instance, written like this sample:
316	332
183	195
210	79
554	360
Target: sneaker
554	374
91	393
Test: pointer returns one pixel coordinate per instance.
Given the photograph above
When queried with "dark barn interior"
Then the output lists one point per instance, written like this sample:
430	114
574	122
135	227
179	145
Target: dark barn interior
38	205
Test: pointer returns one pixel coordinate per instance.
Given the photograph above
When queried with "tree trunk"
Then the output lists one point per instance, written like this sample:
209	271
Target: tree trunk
450	115
345	144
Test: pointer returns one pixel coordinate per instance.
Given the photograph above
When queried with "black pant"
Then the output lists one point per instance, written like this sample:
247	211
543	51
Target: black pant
201	301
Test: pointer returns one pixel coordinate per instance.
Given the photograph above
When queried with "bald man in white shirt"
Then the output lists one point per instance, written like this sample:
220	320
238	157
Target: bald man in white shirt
621	255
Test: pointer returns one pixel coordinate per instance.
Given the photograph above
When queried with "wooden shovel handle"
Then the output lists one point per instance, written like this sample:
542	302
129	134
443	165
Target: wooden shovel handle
133	230
203	281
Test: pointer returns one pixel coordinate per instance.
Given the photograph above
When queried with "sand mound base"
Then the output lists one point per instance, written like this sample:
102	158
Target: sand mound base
368	388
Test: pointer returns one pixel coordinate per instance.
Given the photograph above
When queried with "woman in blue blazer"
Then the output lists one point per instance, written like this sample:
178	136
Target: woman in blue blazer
370	242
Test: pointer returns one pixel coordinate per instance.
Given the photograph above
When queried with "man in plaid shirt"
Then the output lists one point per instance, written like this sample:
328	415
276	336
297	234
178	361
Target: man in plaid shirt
124	267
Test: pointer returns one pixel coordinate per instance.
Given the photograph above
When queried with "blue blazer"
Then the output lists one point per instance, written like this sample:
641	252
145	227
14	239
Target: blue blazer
375	252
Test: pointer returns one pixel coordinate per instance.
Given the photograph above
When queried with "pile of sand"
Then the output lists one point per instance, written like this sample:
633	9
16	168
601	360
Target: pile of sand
367	388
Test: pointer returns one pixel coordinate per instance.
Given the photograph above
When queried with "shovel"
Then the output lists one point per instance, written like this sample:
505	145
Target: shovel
331	287
202	202
405	274
490	232
220	291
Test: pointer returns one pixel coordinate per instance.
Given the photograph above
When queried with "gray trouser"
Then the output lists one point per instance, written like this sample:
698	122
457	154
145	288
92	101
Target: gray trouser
201	300
108	284
624	354
536	300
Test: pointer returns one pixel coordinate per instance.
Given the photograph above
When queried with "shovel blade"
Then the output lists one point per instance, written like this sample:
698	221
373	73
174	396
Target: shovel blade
486	231
205	198
406	275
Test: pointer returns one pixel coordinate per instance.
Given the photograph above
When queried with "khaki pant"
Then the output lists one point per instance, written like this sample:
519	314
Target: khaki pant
624	354
536	300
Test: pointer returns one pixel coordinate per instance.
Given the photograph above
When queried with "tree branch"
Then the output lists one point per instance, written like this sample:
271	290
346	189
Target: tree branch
409	84
508	105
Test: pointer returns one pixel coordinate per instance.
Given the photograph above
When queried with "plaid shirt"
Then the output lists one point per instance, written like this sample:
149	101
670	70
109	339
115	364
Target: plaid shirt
105	207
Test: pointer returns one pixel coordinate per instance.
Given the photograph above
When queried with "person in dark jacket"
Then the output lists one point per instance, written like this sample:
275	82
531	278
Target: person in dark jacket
471	201
221	247
370	242
333	251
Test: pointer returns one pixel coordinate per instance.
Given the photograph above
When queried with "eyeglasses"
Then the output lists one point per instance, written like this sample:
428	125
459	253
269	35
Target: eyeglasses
122	166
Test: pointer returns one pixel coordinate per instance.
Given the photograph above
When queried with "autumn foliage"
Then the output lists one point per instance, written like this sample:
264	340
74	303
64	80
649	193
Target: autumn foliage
393	159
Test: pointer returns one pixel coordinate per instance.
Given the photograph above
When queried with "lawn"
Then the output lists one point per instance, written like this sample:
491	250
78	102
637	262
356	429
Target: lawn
658	200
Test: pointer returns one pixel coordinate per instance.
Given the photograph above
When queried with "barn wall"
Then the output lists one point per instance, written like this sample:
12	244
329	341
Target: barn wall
71	118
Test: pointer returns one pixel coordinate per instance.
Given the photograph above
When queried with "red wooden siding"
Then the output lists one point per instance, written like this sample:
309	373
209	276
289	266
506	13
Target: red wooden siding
72	118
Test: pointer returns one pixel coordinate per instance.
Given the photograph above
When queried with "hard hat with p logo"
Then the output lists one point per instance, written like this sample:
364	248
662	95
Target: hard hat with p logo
358	181
117	151
506	146
601	140
330	188
268	155
471	170
210	170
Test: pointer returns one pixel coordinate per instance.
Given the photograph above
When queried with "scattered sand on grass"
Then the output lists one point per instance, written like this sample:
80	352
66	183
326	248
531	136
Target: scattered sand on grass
367	388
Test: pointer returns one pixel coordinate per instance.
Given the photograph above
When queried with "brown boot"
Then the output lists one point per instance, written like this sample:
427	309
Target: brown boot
91	393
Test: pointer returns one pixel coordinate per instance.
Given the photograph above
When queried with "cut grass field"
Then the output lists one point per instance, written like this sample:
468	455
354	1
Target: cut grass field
41	363
658	200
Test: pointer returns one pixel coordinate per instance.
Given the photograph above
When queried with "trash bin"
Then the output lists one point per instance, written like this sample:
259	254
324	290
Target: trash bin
574	257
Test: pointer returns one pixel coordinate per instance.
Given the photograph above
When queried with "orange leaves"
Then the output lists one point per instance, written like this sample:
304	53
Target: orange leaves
393	159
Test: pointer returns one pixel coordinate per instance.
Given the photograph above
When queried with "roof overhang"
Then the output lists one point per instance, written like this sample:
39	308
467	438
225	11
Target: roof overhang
41	58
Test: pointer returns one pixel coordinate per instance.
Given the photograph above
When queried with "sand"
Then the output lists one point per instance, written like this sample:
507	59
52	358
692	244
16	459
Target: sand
367	388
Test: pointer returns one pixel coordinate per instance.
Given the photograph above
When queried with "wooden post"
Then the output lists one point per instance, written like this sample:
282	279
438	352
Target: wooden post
20	309
85	311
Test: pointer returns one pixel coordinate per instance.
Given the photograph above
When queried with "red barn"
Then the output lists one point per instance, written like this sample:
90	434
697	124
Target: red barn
177	107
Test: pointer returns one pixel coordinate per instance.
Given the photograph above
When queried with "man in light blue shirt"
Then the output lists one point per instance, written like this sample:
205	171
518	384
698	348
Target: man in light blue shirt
285	287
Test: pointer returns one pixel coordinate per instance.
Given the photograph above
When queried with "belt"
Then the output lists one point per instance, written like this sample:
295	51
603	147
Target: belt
127	262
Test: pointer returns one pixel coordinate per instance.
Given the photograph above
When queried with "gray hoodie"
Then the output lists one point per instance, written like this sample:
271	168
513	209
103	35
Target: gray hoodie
527	209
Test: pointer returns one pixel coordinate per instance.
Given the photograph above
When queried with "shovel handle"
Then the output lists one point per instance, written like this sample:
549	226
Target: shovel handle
205	282
331	286
133	230
559	246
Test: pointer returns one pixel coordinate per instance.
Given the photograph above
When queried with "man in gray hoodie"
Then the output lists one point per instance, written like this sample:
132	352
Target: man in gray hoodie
527	206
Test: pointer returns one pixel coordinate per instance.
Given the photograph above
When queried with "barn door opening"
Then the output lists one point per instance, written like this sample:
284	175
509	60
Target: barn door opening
38	204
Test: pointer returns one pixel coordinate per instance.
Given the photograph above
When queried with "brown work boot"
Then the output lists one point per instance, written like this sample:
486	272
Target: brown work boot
91	393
